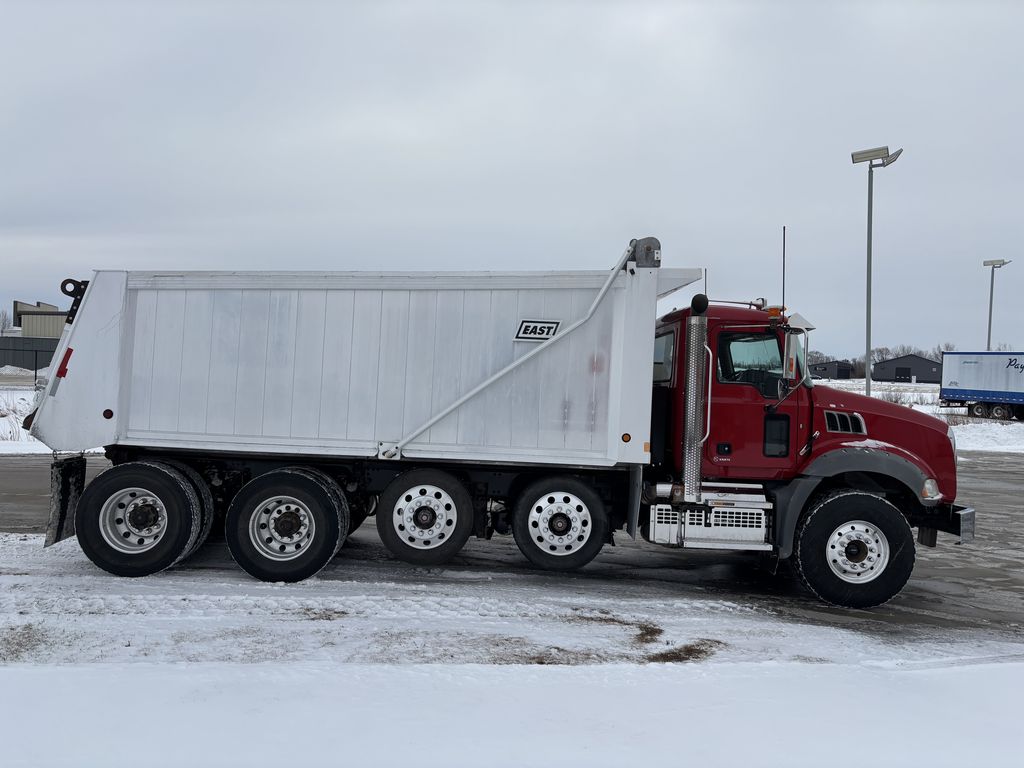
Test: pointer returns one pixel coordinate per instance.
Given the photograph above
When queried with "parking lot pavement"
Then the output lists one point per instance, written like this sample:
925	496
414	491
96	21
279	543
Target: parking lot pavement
980	585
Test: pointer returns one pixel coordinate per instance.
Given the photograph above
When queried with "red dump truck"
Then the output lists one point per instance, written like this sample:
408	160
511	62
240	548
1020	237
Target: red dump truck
289	406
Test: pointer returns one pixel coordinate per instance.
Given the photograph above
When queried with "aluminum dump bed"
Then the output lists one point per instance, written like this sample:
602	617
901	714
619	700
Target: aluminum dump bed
363	364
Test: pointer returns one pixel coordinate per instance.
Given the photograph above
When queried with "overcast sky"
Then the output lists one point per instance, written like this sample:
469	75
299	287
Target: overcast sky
527	136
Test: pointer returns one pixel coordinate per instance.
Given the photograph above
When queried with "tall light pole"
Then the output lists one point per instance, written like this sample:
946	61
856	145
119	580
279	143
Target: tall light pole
875	158
995	264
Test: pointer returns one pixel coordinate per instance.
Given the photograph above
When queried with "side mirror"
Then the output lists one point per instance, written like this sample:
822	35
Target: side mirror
789	365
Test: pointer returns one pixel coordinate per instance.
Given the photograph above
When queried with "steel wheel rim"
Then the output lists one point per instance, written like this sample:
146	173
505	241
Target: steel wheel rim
559	523
857	552
282	528
424	516
133	520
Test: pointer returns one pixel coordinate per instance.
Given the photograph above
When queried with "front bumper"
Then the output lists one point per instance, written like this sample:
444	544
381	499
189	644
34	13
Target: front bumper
948	518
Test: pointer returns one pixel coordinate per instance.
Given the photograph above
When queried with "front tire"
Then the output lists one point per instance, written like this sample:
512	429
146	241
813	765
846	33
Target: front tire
854	549
559	523
287	524
137	519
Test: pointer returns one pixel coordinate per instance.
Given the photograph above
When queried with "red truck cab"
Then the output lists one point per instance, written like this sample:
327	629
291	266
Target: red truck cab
798	451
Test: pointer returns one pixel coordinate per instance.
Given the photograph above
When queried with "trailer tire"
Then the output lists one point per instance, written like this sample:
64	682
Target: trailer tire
337	494
978	410
854	549
1000	411
207	508
425	517
287	524
138	518
559	523
1018	411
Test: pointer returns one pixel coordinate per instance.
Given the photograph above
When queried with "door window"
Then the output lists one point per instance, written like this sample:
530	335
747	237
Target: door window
751	358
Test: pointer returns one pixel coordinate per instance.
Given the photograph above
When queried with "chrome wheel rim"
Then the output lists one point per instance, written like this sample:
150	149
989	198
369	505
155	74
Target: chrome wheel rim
133	520
857	552
559	523
281	528
424	516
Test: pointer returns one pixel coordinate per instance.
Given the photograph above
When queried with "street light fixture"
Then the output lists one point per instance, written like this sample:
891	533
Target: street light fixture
995	264
879	157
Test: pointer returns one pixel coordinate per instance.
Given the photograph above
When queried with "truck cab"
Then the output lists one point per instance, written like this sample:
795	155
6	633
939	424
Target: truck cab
749	453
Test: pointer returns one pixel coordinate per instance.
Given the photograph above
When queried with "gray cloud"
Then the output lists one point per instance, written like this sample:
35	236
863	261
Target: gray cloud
515	135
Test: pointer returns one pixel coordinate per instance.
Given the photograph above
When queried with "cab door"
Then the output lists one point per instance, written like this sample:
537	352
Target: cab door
756	432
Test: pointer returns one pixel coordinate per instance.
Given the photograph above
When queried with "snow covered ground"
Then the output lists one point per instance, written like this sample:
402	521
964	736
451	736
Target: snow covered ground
385	664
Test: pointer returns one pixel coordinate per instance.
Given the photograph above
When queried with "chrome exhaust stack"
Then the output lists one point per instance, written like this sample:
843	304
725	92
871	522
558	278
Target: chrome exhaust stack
695	427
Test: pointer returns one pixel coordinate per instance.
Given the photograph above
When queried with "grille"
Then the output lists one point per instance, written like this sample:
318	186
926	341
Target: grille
737	518
849	423
695	517
664	516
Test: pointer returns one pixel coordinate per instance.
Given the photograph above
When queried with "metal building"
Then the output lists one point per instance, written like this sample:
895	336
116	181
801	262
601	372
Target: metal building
832	369
908	368
39	320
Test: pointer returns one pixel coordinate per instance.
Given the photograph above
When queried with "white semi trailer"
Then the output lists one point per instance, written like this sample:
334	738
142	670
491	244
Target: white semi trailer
987	384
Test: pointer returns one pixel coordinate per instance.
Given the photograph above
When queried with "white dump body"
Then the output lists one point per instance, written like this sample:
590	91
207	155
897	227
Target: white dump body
350	364
983	376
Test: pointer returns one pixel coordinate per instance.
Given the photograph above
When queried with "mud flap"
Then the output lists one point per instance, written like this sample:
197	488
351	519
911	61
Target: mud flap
67	479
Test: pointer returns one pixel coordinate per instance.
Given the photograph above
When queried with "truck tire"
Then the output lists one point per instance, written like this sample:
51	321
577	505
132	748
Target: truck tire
286	525
854	549
138	518
425	517
559	523
207	509
1000	411
978	410
336	492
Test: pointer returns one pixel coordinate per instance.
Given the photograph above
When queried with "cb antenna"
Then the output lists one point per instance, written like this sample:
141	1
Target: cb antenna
783	266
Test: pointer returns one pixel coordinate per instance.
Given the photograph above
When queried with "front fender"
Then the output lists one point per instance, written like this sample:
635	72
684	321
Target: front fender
877	458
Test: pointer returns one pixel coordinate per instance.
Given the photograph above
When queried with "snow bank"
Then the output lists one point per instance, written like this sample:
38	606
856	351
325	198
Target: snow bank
990	436
370	715
15	405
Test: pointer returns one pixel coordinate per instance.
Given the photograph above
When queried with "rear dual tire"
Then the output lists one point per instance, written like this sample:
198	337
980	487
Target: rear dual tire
286	525
139	518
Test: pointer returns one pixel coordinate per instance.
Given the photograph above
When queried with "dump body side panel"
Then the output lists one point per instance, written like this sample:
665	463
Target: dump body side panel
341	363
